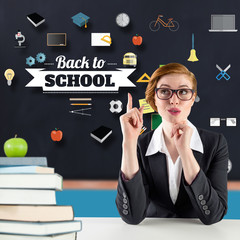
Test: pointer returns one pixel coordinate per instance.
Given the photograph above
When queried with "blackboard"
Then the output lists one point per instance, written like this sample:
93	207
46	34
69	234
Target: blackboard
32	114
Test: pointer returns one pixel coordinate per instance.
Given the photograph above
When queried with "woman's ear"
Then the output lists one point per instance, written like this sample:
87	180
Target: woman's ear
194	98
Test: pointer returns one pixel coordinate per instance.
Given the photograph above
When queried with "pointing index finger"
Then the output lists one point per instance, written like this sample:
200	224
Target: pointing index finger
129	104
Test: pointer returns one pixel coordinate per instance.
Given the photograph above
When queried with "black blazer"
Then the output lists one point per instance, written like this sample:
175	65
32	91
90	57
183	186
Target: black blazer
147	193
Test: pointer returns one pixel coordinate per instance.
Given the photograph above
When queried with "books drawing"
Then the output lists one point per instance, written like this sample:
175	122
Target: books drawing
101	133
35	19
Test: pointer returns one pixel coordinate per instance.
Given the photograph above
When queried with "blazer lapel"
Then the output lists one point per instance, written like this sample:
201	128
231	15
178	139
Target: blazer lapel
158	168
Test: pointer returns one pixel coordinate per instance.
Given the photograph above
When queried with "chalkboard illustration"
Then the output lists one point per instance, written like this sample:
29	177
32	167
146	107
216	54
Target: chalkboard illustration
122	20
57	39
172	25
193	57
223	73
223	23
75	69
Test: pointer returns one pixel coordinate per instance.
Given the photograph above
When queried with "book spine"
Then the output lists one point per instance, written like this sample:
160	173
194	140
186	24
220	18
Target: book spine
18	161
20	169
27	197
31	181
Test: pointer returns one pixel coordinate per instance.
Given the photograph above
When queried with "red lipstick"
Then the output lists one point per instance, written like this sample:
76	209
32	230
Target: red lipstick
174	111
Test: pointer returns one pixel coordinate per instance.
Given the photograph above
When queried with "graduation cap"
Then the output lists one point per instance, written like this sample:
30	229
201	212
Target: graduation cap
80	19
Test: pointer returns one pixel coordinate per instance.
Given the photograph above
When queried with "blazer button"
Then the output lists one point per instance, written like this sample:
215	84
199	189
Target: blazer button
207	212
203	202
200	197
205	207
125	212
124	195
124	200
125	206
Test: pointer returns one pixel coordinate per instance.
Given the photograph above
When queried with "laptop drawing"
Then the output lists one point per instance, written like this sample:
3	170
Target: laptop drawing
222	23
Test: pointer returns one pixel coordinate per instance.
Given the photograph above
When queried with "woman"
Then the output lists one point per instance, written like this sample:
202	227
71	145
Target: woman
176	170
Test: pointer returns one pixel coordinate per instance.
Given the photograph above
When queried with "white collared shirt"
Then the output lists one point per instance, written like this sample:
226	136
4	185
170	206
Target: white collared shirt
157	143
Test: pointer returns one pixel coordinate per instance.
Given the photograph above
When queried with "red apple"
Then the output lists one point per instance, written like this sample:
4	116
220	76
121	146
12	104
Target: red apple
137	40
56	135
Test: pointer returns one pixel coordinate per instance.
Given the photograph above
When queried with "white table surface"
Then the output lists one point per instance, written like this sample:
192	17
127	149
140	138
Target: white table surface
158	228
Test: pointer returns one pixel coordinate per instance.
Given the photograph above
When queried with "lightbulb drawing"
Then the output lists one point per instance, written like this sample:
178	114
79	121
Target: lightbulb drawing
9	74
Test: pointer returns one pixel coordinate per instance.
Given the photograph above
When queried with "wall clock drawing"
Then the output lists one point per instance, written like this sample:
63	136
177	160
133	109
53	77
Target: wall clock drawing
122	19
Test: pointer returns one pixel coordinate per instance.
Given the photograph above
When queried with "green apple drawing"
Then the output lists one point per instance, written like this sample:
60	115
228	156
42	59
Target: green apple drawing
15	147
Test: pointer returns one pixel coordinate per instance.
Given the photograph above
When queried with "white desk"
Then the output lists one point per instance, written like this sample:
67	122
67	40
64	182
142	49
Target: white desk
158	229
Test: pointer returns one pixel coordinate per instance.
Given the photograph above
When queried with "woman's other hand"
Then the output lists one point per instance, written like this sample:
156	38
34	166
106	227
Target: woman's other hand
181	133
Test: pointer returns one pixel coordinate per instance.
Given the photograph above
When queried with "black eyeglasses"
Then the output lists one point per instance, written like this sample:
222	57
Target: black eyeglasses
183	94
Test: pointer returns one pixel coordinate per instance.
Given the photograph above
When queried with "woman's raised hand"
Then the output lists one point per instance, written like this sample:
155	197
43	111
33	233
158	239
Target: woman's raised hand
131	121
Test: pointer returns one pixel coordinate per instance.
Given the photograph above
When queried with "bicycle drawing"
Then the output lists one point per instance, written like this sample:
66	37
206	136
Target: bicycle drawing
172	25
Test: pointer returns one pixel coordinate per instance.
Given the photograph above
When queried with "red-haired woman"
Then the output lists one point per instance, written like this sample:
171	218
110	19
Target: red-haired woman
177	170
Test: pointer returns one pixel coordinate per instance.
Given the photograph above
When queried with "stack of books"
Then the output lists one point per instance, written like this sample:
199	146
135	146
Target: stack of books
28	207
